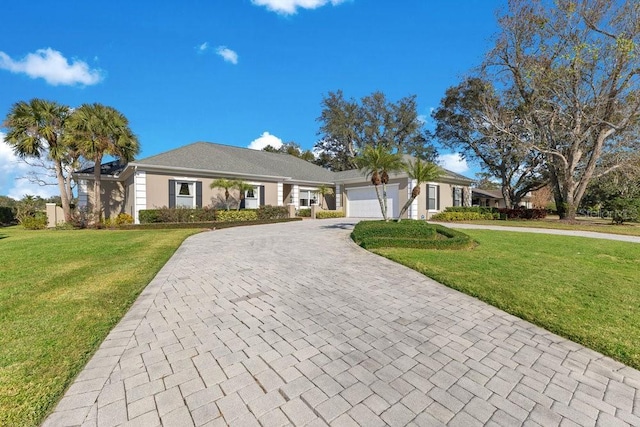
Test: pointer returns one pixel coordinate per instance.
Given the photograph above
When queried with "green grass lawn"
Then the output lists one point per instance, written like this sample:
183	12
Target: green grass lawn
61	292
587	290
583	224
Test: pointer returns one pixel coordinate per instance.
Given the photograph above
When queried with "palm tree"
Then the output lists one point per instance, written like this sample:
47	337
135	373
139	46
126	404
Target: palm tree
421	172
377	162
35	129
242	187
324	190
99	131
226	184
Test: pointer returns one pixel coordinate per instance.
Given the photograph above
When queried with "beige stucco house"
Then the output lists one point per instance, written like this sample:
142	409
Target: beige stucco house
182	177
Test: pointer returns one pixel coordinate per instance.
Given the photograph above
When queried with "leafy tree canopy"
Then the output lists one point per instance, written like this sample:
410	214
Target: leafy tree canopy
347	126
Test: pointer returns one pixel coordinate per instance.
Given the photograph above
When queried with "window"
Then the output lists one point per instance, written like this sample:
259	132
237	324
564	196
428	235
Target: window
185	194
457	196
308	198
432	197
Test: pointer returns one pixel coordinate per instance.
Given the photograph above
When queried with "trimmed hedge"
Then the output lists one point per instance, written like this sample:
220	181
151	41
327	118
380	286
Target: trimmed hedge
471	213
202	225
273	212
408	234
243	215
463	216
207	214
304	213
522	213
478	209
329	214
165	214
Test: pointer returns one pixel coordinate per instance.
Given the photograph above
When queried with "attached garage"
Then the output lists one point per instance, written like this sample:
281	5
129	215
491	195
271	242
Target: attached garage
362	202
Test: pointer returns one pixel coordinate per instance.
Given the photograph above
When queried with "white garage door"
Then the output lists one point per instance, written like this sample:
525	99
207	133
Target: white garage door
363	203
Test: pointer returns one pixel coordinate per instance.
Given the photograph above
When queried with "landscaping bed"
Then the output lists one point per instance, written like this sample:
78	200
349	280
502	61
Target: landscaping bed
408	234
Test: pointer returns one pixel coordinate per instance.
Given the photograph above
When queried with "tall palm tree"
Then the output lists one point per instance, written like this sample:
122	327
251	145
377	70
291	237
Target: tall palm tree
242	187
225	184
420	171
377	162
35	129
98	131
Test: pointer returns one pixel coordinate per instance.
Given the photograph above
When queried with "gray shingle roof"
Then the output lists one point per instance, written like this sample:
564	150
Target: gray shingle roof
355	173
207	156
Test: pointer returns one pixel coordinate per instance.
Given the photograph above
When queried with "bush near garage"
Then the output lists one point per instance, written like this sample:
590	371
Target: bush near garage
329	214
272	212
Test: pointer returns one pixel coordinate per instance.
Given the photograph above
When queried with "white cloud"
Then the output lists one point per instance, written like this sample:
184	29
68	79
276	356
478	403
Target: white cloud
454	162
202	47
289	7
228	54
265	139
51	66
11	171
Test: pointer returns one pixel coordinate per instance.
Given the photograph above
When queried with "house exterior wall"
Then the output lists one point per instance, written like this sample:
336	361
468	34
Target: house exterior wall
158	191
112	198
129	197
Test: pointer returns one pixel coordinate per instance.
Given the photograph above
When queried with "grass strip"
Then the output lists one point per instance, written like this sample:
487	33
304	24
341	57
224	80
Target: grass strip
61	292
583	289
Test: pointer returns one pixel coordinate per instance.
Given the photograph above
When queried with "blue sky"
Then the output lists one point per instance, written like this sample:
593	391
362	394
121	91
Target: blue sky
232	71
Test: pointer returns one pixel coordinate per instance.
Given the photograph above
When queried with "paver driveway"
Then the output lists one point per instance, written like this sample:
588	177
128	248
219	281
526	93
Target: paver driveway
292	324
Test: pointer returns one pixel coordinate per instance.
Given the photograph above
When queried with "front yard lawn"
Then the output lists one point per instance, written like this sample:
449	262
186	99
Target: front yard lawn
596	225
61	292
587	290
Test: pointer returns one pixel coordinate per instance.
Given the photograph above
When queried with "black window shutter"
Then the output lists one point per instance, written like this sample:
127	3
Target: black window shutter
462	196
437	197
262	195
172	193
198	194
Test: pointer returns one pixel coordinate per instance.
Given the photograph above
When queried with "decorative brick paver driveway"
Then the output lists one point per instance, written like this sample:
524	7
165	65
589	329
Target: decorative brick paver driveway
292	324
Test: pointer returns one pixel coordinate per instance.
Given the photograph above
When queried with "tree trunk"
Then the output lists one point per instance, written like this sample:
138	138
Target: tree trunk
383	206
66	208
507	197
384	201
414	194
97	202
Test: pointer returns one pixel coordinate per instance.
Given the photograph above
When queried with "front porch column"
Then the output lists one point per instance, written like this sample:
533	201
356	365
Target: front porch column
295	194
139	194
412	212
338	197
280	194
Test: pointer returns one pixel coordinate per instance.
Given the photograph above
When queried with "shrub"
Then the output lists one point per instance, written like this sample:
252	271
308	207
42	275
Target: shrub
522	213
165	214
7	215
462	216
202	225
478	209
123	218
273	212
329	214
408	234
36	222
624	210
305	213
243	215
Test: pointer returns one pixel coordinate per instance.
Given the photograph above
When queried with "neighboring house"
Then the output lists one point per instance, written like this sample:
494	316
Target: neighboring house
182	177
494	199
